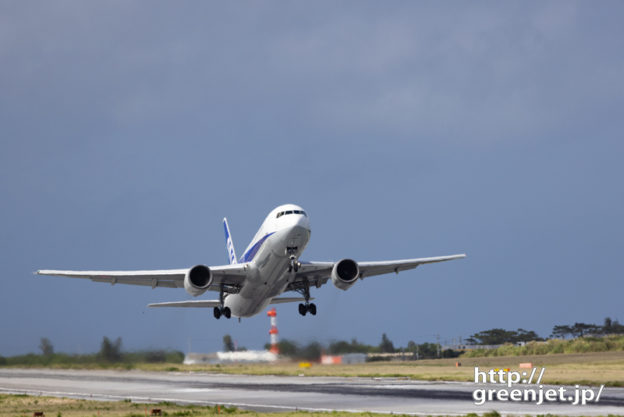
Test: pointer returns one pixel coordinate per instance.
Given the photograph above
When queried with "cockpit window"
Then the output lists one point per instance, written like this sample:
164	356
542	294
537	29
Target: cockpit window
283	213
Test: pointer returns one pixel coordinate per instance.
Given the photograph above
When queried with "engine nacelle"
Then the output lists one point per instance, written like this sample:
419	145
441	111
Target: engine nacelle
345	273
197	280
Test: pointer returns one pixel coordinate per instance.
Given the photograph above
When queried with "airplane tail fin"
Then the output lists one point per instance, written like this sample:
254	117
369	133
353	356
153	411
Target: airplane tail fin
228	243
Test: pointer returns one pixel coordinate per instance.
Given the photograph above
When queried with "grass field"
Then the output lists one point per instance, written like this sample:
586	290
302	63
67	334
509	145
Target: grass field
24	405
576	368
587	368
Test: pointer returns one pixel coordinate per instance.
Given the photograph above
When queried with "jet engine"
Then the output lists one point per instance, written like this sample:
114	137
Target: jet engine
197	280
345	273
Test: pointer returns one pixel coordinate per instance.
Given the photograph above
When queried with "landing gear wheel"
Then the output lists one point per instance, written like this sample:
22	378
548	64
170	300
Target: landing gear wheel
217	313
312	309
227	312
303	309
293	265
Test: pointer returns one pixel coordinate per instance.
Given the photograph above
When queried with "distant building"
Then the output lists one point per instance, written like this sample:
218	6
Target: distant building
248	356
347	358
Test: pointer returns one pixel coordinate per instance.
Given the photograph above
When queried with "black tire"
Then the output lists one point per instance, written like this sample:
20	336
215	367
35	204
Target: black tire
227	312
302	309
312	309
217	313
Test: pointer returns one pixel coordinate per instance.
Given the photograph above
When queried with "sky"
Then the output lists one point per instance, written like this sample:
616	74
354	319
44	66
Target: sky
129	129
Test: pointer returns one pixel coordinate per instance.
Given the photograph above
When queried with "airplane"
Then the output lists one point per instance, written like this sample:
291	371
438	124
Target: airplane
269	267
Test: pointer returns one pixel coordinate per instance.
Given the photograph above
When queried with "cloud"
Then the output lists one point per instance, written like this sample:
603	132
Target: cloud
474	74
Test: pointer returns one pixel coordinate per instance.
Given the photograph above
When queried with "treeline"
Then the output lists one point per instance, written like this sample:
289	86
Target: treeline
502	336
579	345
582	329
313	350
110	353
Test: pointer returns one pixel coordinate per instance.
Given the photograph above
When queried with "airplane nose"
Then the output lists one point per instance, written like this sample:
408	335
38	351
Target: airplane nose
304	222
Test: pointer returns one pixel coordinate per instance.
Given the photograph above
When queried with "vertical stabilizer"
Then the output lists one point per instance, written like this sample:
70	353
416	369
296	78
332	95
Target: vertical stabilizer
228	243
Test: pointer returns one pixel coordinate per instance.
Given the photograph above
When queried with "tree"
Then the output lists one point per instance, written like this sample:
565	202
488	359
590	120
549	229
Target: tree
386	345
581	329
493	337
286	347
607	326
561	331
612	327
110	351
228	343
500	336
617	328
311	352
46	347
340	347
525	336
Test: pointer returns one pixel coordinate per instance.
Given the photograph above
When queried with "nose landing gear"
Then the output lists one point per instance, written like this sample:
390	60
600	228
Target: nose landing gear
293	264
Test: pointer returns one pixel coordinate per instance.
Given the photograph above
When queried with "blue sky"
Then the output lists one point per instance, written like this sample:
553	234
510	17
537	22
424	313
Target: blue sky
130	129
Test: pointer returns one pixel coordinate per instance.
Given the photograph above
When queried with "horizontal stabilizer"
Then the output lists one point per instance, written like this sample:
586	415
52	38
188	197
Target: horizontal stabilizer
189	303
215	303
280	300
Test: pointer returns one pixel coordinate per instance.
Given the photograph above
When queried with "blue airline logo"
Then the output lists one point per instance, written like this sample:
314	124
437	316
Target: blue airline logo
228	243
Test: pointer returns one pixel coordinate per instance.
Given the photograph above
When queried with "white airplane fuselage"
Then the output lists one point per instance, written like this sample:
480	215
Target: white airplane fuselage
269	256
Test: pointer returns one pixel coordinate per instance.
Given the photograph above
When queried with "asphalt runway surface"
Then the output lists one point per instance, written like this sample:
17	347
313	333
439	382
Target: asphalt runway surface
283	393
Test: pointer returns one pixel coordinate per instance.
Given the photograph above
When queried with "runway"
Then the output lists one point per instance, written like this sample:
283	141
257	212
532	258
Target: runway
282	393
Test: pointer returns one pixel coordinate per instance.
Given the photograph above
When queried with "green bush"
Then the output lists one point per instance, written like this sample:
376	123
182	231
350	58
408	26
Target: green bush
578	345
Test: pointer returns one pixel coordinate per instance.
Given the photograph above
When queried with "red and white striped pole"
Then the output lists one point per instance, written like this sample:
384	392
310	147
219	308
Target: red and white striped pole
273	332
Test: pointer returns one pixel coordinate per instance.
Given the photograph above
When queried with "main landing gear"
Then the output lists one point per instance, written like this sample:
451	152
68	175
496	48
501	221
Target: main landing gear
221	310
308	307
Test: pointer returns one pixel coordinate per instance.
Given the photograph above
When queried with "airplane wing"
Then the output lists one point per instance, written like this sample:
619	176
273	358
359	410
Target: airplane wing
215	303
230	275
318	273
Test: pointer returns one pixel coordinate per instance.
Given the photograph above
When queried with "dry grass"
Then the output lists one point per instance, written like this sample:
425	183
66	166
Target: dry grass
567	368
23	405
582	368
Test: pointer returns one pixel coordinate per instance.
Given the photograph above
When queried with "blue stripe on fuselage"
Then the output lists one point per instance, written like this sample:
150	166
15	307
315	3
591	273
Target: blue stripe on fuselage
249	255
